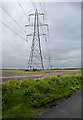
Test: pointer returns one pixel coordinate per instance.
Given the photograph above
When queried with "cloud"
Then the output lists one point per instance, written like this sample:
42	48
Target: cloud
64	44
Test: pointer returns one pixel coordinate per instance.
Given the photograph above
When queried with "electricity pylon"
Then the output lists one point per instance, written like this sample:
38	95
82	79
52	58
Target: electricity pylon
35	58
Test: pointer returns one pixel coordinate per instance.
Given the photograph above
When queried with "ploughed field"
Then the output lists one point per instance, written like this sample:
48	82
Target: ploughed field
19	74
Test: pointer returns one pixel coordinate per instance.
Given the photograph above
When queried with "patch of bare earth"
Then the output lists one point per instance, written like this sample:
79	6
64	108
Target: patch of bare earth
7	76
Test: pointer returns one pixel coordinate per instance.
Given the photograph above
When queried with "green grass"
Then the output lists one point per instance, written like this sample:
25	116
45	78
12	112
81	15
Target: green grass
32	71
25	98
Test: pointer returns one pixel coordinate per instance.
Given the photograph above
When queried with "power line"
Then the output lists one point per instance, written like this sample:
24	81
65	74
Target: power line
22	9
12	30
33	4
12	18
44	9
41	6
48	35
48	52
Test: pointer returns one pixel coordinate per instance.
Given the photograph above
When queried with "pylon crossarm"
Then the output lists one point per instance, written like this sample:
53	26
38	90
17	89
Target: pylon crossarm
40	13
32	14
42	34
29	35
31	25
43	24
39	34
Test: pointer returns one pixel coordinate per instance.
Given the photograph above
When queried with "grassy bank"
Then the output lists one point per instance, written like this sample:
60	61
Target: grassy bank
23	99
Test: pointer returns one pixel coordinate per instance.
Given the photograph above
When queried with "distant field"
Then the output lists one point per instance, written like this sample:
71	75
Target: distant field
19	74
32	71
37	71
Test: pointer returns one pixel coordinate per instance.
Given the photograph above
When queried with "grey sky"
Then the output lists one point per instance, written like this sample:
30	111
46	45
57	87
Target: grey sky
64	42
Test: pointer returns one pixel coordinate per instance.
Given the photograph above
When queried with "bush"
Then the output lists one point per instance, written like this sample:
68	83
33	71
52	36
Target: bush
35	69
58	75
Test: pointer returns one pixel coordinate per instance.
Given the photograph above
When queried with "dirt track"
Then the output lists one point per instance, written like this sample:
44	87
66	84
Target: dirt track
7	76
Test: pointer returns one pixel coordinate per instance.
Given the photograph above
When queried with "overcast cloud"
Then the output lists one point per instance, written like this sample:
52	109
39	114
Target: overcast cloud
64	44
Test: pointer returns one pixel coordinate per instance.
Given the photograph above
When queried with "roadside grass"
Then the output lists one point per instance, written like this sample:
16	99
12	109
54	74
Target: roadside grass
27	97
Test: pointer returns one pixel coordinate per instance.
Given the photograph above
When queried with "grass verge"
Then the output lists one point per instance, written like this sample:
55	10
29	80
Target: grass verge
25	98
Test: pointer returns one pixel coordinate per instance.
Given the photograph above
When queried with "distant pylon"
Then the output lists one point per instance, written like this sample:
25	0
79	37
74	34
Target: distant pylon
35	59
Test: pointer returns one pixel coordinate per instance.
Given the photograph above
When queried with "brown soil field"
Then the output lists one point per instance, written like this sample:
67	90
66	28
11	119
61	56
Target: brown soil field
8	76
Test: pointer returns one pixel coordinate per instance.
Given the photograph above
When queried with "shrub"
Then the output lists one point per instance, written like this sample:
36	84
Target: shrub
58	75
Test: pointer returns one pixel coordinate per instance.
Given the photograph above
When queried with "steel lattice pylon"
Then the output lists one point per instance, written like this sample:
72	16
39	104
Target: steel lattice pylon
35	58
